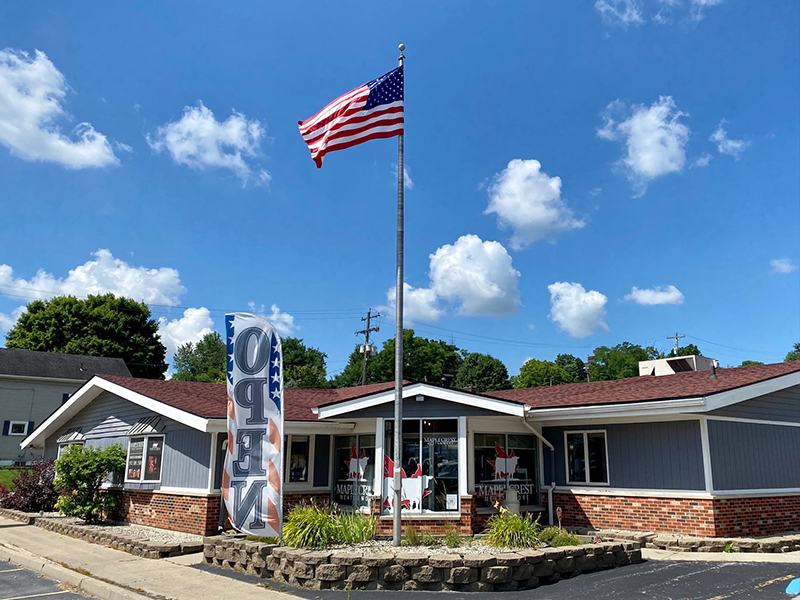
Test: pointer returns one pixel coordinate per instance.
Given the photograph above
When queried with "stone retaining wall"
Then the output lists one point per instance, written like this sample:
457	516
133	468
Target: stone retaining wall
313	569
675	543
18	515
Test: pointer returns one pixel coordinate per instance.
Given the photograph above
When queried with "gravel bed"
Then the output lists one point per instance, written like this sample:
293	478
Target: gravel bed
141	532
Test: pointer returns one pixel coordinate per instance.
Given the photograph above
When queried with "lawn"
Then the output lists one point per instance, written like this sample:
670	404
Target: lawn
6	475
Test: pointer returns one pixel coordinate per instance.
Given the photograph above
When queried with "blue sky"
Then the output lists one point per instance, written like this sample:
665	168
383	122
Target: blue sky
560	154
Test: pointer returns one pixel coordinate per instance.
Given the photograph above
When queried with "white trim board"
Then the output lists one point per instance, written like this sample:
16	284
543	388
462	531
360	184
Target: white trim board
449	395
754	421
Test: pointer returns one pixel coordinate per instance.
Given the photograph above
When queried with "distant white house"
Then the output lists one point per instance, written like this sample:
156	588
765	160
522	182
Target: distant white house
34	384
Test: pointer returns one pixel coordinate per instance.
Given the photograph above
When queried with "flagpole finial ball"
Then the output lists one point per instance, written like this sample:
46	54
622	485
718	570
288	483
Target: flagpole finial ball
401	47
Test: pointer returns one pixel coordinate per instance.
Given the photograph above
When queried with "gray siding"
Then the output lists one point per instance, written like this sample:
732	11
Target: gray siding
658	456
777	406
430	408
106	421
752	456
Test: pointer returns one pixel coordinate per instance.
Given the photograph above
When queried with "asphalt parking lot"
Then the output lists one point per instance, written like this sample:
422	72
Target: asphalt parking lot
17	583
653	580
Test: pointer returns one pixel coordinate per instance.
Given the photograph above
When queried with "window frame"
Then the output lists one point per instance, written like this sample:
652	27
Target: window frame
309	481
535	481
24	429
586	433
146	437
64	447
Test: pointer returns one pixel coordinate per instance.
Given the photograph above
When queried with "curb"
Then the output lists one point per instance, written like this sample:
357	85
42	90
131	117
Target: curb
86	583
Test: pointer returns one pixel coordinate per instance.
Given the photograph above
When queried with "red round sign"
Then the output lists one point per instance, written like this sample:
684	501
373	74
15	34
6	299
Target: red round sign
558	513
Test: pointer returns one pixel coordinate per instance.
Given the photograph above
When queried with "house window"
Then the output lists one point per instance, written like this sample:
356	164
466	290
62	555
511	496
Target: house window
145	454
505	461
62	448
354	457
429	463
298	459
587	457
18	428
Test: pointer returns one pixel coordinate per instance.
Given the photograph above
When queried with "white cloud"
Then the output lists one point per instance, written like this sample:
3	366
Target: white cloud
191	327
782	265
408	183
701	161
619	12
528	201
99	276
476	274
725	145
655	296
578	312
283	322
199	141
654	138
7	321
31	94
697	6
419	304
595	192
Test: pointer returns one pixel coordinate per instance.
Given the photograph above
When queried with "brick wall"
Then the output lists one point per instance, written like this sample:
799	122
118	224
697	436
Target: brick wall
189	514
757	516
435	526
290	500
634	513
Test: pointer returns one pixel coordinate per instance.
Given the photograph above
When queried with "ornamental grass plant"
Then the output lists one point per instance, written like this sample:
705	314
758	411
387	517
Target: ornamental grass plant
508	530
313	526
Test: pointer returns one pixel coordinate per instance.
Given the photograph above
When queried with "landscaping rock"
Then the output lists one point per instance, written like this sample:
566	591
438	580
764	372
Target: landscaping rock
496	574
510	559
462	575
445	561
479	560
330	572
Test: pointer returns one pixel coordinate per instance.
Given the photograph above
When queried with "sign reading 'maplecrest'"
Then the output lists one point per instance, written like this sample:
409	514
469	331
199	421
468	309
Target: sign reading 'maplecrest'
251	481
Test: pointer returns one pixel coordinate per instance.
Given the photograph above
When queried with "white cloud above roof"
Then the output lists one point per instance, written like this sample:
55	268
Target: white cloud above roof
32	93
657	295
782	266
528	201
725	145
191	327
197	140
577	312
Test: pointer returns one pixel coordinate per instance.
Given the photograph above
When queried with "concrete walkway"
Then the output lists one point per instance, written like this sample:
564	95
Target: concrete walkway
724	557
164	578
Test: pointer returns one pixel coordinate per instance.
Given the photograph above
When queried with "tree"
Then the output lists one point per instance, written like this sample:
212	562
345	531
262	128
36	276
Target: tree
574	367
204	361
33	488
687	350
97	326
750	363
483	372
303	366
620	362
80	473
794	353
538	373
424	360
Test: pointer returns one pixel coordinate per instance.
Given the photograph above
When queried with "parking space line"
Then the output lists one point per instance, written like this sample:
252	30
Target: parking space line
37	595
9	570
755	587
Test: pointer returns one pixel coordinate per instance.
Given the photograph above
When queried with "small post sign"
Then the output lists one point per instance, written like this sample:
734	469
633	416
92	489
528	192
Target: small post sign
558	516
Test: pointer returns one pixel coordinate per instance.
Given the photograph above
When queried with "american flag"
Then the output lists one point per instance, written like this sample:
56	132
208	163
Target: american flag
369	112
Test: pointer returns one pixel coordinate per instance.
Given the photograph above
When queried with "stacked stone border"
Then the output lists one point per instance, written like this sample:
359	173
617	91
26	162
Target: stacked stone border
318	570
95	534
676	543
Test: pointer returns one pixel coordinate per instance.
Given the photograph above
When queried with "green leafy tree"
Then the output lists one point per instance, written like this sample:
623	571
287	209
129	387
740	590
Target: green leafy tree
538	373
574	367
204	361
750	363
483	372
794	353
687	350
424	360
303	366
80	473
620	362
97	326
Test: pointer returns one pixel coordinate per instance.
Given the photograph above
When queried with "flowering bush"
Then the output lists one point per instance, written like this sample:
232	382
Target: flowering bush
34	490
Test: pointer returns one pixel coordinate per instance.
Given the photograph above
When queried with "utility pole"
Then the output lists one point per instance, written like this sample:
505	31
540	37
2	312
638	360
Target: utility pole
367	348
675	337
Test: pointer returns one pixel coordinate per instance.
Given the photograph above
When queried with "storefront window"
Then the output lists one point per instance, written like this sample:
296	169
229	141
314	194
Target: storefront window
355	464
505	461
586	457
144	458
429	463
298	458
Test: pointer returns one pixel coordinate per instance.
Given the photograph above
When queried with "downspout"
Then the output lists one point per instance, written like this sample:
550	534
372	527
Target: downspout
552	485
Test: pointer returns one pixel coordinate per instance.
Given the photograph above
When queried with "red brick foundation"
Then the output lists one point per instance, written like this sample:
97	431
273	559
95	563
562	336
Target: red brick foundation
717	517
435	526
291	500
189	514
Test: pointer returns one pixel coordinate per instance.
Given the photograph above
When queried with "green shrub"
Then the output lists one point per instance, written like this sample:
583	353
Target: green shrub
312	526
452	537
411	537
354	527
79	474
508	530
559	537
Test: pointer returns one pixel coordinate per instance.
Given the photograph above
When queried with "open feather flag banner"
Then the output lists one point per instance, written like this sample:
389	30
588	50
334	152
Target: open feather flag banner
371	111
251	481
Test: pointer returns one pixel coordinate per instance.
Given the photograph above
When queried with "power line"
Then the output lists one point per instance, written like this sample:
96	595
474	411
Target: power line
367	349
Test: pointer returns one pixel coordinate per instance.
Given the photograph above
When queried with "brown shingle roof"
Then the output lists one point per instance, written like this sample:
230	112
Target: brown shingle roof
209	400
642	389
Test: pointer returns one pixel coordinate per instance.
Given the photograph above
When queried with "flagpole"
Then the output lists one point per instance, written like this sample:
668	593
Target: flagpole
398	335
